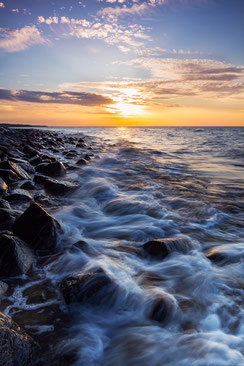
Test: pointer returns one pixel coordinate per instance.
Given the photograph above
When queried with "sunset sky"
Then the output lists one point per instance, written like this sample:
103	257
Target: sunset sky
122	62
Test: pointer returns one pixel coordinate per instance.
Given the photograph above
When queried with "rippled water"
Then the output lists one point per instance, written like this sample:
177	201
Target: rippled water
147	183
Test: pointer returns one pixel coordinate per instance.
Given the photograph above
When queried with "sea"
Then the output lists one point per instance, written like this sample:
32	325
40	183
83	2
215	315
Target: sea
151	183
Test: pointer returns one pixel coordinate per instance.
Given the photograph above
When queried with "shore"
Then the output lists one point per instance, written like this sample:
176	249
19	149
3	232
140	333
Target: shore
34	182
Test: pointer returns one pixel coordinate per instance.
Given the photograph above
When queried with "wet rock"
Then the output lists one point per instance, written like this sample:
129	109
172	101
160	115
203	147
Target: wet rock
81	161
59	187
22	174
39	178
7	218
85	247
37	228
55	169
71	154
30	151
226	254
15	257
19	195
4	204
38	294
3	288
160	248
8	176
3	187
17	348
36	160
94	287
163	308
28	185
39	167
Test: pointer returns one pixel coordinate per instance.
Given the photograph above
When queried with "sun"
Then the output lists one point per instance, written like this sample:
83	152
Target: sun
127	104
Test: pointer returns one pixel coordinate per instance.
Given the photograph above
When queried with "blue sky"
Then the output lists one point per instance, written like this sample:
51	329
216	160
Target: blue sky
168	53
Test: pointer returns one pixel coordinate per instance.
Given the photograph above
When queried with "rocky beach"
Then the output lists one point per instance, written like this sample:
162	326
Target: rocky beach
117	252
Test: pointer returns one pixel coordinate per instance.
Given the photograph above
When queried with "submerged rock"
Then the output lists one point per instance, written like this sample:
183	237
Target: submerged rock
160	248
3	187
37	228
226	254
17	348
94	287
163	307
15	257
55	169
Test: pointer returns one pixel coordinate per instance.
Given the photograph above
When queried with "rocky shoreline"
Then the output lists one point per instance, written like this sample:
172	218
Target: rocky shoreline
35	170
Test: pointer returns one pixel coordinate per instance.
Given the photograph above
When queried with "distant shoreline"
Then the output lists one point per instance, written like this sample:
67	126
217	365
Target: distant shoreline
46	126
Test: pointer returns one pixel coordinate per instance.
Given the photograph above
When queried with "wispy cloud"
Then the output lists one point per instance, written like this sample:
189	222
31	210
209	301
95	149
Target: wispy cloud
2	5
20	39
64	97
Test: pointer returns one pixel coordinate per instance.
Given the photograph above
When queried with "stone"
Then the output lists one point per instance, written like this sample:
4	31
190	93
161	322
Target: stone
7	164
19	195
55	169
95	288
4	204
226	254
28	185
161	248
7	218
3	187
163	308
59	187
15	257
37	228
17	348
9	176
81	161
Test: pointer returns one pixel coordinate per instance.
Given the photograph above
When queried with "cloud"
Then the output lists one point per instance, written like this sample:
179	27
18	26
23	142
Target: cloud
15	10
64	97
20	39
2	5
132	36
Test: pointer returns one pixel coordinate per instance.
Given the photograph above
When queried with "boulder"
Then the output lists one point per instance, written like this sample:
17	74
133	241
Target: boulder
15	257
4	204
3	187
18	195
7	218
37	228
226	254
3	289
160	248
94	287
9	176
7	164
55	169
81	161
28	185
17	348
59	187
163	307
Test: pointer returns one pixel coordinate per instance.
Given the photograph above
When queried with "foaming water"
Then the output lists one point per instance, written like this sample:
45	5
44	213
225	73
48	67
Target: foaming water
144	184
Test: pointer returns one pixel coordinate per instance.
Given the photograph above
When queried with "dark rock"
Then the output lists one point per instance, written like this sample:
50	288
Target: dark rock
160	248
81	161
17	348
7	218
163	308
226	254
39	178
39	168
59	187
85	247
24	164
4	204
37	228
71	154
94	287
8	176
3	187
3	289
30	151
39	293
19	195
15	257
28	185
22	174
55	169
36	160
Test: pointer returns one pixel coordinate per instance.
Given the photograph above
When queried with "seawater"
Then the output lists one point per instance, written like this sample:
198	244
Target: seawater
147	183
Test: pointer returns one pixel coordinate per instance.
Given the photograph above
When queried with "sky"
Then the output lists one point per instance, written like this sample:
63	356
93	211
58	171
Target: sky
122	62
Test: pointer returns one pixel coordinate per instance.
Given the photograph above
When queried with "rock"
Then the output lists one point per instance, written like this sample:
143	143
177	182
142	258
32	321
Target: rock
55	169
28	185
82	161
39	178
85	247
30	151
15	257
160	248
94	287
17	348
3	289
226	254
8	175
59	187
3	187
4	204
163	308
7	164
37	228
36	160
7	218
19	195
